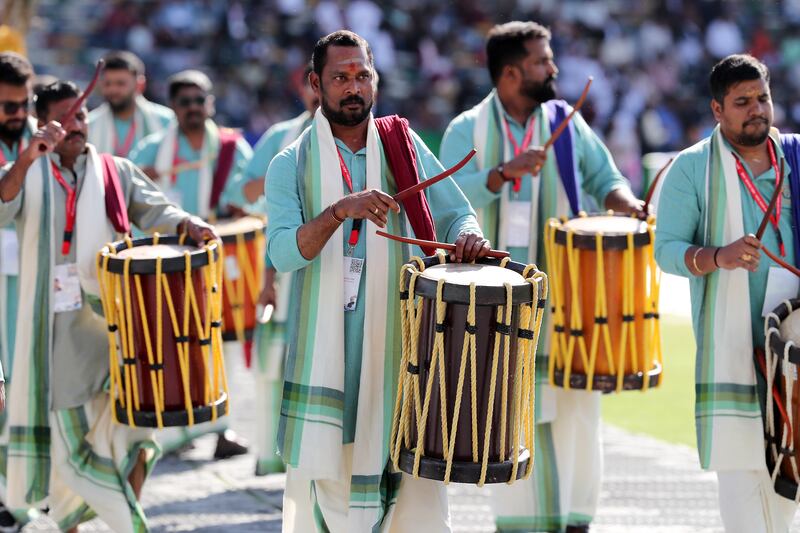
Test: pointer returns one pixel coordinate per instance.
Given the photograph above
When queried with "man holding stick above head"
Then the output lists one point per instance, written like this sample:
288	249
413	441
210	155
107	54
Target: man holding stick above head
516	186
326	194
713	198
64	449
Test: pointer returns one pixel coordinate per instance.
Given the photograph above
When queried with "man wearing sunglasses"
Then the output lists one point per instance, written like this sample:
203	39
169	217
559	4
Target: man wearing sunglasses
199	166
126	117
15	129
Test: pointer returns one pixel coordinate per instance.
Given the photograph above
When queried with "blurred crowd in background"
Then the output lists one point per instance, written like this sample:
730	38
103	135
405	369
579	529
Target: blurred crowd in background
650	60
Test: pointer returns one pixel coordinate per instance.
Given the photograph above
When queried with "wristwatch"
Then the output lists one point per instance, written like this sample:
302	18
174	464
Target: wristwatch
501	170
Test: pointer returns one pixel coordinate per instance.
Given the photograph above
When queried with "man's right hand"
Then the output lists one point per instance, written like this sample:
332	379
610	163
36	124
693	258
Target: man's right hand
43	141
742	253
530	161
373	205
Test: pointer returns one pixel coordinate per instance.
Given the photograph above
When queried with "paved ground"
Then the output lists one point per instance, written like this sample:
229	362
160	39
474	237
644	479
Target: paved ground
648	486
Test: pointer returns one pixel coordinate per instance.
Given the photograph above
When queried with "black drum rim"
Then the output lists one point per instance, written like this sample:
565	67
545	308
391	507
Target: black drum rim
179	418
610	242
459	294
198	258
776	342
464	471
608	382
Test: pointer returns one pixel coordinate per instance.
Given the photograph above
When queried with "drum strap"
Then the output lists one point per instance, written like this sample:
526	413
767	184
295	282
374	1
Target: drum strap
227	152
116	209
790	144
401	157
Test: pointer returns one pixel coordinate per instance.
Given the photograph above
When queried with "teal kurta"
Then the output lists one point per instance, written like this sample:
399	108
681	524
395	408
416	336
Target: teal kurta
684	192
144	155
162	114
598	175
450	209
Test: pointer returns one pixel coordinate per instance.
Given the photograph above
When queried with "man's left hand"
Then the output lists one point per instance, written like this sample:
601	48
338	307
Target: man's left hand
622	200
469	247
199	230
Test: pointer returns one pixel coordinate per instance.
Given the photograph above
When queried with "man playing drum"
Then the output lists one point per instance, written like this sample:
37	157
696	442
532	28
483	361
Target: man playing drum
516	187
325	194
713	199
64	447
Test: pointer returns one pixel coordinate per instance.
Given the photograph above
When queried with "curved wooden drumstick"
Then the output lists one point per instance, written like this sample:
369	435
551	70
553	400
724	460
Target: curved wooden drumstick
772	203
75	107
560	129
439	177
497	254
652	188
781	262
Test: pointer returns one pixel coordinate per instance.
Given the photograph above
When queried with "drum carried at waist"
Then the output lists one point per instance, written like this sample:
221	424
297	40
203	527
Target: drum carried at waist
604	286
161	300
465	401
778	364
244	246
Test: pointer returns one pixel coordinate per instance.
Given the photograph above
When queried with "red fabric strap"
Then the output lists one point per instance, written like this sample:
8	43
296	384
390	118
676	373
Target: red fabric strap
402	159
116	208
227	152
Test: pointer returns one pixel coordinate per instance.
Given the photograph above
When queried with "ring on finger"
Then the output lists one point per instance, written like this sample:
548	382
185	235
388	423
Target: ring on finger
747	257
375	211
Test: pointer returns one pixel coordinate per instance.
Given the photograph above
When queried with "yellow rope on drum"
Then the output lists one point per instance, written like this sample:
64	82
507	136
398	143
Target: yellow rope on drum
108	302
128	349
158	406
654	350
508	308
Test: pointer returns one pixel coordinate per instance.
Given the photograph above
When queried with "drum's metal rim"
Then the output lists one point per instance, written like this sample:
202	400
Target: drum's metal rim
459	294
607	383
198	258
246	236
463	471
148	419
610	242
776	343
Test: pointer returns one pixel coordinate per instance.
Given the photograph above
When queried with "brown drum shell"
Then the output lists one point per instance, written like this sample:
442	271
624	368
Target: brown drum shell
255	258
455	323
173	384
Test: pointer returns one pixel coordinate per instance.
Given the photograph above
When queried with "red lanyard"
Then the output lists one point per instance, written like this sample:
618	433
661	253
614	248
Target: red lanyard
353	240
123	150
175	162
762	204
71	200
526	141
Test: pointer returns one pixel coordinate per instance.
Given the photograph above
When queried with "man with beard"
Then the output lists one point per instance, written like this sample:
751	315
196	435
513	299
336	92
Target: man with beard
325	194
271	337
710	207
199	167
65	451
126	117
516	187
16	127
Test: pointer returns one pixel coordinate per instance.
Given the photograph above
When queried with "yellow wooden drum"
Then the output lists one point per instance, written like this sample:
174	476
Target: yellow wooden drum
604	294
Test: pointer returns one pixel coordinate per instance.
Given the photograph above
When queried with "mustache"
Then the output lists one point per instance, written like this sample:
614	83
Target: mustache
352	100
756	121
75	135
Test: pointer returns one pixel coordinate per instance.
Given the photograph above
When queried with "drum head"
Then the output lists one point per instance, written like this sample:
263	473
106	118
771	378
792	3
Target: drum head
605	224
154	251
229	226
482	275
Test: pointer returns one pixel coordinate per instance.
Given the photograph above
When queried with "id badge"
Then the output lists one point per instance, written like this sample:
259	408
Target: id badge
518	224
353	266
66	288
781	285
9	253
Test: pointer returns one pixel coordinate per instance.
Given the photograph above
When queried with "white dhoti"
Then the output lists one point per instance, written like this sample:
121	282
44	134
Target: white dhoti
91	459
565	485
748	503
322	505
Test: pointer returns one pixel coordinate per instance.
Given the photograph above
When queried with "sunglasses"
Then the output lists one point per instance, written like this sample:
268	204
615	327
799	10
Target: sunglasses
11	108
188	101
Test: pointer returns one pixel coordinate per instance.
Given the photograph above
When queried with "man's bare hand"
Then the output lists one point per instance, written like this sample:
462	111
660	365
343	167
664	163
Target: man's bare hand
372	204
469	247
